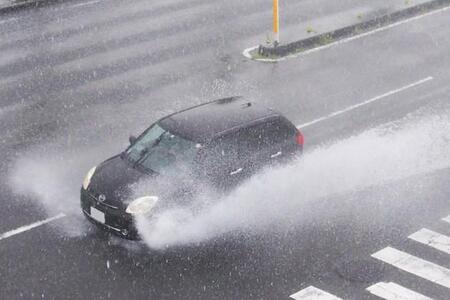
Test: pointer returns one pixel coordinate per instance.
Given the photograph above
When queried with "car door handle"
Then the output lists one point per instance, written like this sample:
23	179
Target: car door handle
276	154
237	171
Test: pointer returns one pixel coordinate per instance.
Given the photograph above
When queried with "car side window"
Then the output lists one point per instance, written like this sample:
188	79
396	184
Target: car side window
221	151
251	139
279	132
263	137
247	142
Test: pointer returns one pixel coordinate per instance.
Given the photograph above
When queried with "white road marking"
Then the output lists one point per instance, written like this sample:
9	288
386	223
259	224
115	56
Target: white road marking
446	219
346	40
8	20
352	107
29	227
84	4
414	265
313	293
433	239
393	291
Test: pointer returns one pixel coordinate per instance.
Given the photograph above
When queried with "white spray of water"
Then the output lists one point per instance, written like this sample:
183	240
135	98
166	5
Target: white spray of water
52	177
276	198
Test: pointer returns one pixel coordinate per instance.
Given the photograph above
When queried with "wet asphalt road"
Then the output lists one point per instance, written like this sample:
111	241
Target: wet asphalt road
77	78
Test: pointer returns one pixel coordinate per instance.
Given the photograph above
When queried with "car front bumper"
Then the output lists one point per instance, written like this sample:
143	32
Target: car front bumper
115	220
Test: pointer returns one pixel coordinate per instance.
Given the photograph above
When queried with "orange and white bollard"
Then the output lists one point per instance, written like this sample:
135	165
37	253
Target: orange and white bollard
276	23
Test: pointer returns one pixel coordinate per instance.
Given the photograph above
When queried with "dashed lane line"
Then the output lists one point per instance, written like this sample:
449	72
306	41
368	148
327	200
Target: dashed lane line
29	227
377	98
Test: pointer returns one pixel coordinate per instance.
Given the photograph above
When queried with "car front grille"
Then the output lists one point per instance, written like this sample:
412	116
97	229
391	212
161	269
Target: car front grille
116	219
94	197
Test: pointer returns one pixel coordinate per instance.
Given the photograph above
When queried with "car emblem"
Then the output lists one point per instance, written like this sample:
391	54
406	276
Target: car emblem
101	198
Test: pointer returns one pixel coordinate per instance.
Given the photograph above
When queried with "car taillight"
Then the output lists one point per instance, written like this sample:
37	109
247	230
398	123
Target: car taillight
299	138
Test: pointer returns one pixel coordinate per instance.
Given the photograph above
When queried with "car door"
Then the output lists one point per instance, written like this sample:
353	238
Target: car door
220	161
253	151
280	140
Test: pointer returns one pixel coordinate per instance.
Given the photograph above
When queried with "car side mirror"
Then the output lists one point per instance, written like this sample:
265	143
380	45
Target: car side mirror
132	139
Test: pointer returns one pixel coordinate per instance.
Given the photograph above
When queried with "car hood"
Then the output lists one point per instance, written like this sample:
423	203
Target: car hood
113	178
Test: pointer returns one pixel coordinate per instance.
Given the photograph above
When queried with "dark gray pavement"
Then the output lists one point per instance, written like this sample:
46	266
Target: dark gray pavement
77	78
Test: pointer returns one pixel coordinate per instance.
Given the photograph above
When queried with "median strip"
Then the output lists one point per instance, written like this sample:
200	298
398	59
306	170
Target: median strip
326	40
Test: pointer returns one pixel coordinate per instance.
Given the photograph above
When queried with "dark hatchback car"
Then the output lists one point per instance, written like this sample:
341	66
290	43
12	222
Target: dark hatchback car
219	143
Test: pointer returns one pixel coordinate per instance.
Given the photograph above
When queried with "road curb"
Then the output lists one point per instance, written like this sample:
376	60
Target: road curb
16	5
270	53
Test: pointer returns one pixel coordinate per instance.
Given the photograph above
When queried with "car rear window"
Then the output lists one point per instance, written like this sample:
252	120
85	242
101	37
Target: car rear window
263	136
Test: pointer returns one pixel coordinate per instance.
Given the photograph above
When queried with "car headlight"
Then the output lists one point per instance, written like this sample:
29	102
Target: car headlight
142	206
87	179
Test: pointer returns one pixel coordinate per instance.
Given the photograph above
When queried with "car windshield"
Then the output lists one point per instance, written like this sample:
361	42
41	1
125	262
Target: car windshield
160	151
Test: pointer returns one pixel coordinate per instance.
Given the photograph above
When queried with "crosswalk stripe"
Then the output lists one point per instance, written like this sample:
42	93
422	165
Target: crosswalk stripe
433	239
313	293
446	219
414	265
393	291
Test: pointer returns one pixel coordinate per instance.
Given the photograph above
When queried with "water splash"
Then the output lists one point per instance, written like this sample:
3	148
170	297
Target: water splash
276	198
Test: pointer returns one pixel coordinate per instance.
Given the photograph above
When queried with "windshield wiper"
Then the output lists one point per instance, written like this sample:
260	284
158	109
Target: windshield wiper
142	155
124	155
145	151
145	169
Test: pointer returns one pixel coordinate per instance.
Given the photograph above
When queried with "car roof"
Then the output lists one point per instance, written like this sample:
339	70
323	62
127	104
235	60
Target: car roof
203	122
